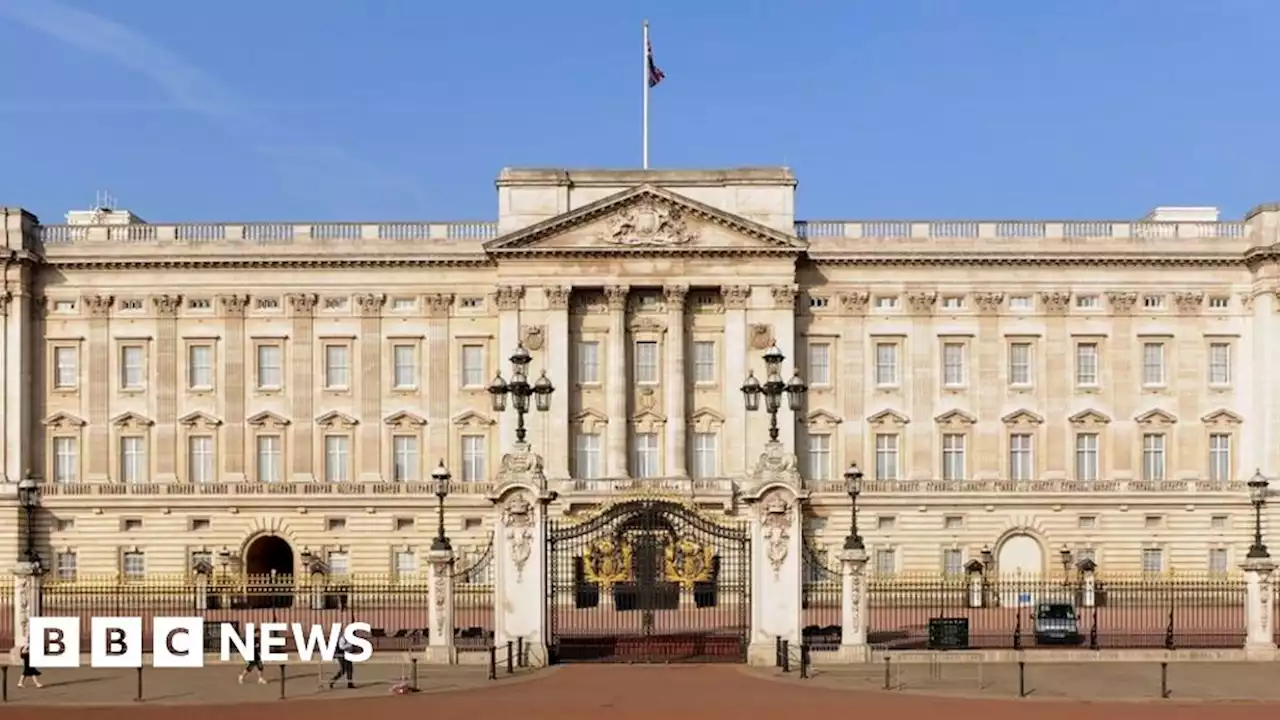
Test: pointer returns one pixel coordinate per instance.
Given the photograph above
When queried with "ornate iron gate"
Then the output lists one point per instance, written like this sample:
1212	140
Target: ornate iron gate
649	581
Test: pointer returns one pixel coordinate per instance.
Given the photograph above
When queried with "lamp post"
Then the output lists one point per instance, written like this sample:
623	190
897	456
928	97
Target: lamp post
772	389
1258	496
1064	555
853	486
520	390
29	499
988	559
440	483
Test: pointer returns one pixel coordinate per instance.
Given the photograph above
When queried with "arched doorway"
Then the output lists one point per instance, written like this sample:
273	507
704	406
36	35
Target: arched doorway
1020	563
268	566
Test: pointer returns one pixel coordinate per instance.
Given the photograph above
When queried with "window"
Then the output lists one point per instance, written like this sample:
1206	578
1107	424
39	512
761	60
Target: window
953	457
1153	457
1021	302
1087	364
132	367
65	565
886	562
952	302
474	452
200	459
335	524
1219	302
1087	302
133	460
1152	560
885	523
588	362
66	459
1021	466
645	456
402	304
704	362
1218	522
886	302
886	364
473	366
337	458
886	457
337	367
1153	363
135	565
647	362
270	367
1020	363
587	461
200	367
820	364
339	563
1153	522
404	458
404	524
1218	561
819	457
1153	302
66	367
404	372
952	561
269	466
953	373
706	455
1220	457
406	563
1220	364
1087	465
953	522
1087	522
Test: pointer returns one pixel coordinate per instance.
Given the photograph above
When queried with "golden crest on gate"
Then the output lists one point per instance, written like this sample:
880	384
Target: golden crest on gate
606	562
689	562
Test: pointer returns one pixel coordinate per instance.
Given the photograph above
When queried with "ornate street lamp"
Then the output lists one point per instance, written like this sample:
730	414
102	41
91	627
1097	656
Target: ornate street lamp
440	484
1258	496
520	390
1064	556
772	389
29	500
988	558
853	486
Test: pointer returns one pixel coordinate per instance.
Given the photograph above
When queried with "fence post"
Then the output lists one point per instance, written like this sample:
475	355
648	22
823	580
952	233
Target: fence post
1022	678
511	649
887	671
786	656
804	660
282	679
777	652
1259	606
493	662
4	683
521	660
138	696
1017	630
1164	680
1093	631
413	663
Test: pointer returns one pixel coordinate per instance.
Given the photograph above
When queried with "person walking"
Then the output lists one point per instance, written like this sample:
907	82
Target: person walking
254	664
27	670
345	666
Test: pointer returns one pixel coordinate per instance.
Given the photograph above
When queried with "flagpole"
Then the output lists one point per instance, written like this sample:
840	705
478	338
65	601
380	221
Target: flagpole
644	55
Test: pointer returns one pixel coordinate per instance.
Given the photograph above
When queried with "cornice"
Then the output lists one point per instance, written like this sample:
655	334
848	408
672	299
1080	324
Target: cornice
264	262
1001	260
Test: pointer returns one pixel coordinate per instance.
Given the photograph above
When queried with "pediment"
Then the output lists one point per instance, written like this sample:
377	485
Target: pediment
646	219
1022	417
955	417
707	414
819	418
266	418
199	419
888	417
1089	417
335	419
131	419
590	420
404	418
64	421
1222	416
472	417
648	416
1155	416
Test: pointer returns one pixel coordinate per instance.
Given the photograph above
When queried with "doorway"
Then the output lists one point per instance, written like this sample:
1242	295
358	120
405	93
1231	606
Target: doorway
268	566
1020	563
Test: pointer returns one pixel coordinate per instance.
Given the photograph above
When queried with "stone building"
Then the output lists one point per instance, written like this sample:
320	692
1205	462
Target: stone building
182	390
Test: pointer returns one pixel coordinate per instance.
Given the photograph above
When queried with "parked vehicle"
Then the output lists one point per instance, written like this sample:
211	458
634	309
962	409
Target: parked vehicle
1056	623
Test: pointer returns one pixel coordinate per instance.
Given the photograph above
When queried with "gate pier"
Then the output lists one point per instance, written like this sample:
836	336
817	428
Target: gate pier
520	562
777	501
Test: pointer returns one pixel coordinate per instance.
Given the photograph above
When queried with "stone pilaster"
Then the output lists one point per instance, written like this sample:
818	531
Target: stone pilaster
371	384
233	378
440	382
440	611
924	461
1120	373
616	392
1259	610
10	407
1188	374
1060	368
302	307
783	320
167	383
854	606
559	350
735	299
850	376
989	382
507	298
98	356
676	383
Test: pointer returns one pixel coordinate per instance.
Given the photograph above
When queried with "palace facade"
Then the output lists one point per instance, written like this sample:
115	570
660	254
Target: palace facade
181	391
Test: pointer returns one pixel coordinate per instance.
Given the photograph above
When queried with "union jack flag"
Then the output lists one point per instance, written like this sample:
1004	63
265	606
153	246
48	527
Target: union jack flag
655	73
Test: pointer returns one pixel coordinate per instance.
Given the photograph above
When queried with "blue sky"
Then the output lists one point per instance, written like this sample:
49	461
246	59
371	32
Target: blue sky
407	109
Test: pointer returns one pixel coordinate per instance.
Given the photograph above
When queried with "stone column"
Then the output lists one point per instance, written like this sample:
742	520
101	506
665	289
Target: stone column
11	408
1088	583
1188	373
520	585
992	362
854	606
919	362
507	298
233	378
167	383
676	383
26	602
559	350
440	613
202	591
1060	368
440	379
98	357
735	298
371	384
850	377
783	319
1259	613
616	392
776	579
302	385
1118	383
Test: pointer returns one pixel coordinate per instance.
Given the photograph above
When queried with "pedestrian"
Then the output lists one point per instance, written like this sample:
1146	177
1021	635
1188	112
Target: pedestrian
345	666
254	664
27	670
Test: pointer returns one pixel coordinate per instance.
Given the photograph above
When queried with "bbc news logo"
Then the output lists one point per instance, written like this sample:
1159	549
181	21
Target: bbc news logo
178	642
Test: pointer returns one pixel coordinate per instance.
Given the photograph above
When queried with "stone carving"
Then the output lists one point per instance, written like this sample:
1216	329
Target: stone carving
1056	302
303	303
517	519
922	302
784	296
616	296
988	302
1264	597
167	305
1246	301
370	304
649	222
558	297
507	297
675	296
4	303
1122	302
735	296
647	399
760	336
440	571
522	462
233	305
437	304
775	526
854	303
533	337
98	306
776	465
1188	303
647	325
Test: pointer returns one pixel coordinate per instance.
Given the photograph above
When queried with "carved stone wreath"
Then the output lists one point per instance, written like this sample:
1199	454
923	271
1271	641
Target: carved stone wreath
776	529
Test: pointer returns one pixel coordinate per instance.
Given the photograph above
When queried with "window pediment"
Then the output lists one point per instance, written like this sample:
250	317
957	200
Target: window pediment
199	421
822	420
131	421
1022	418
404	420
1222	417
1089	418
1156	418
63	421
591	421
334	420
955	419
268	420
472	419
648	421
706	420
888	419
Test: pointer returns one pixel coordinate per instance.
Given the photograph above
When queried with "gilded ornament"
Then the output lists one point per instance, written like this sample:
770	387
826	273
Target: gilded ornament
607	562
688	562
